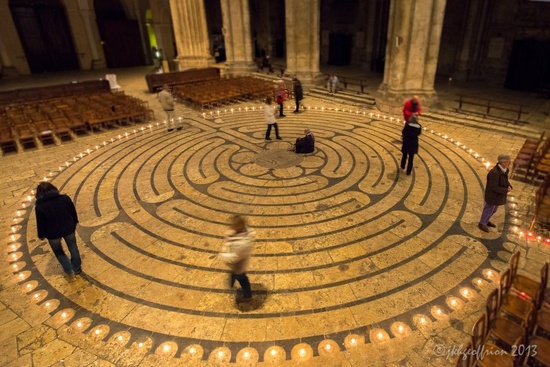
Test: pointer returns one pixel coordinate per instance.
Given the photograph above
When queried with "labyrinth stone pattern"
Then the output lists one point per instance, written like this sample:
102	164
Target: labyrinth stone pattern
346	242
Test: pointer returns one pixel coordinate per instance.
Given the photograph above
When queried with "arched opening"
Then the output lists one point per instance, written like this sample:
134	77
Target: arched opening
120	36
45	35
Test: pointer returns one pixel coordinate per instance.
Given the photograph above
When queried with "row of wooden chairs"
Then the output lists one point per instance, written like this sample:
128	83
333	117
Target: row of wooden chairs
62	117
220	92
541	214
532	161
515	328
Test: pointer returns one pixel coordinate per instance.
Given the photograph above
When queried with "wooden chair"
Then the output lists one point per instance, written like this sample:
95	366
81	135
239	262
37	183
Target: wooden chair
511	305
525	286
496	357
465	358
502	329
7	141
542	355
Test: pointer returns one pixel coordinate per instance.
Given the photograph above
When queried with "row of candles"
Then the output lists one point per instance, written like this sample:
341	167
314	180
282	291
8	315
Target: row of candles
300	351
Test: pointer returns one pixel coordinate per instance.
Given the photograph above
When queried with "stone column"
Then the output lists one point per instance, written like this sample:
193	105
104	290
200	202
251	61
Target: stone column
237	37
414	35
88	16
302	40
463	64
191	34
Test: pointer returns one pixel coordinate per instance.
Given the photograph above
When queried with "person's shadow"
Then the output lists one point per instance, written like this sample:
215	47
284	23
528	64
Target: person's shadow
259	297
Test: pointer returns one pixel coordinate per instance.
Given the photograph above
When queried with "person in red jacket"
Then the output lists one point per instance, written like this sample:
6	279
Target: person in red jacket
411	107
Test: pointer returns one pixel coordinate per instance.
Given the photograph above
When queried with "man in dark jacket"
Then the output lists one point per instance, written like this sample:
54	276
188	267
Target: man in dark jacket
305	144
496	191
410	143
298	93
56	218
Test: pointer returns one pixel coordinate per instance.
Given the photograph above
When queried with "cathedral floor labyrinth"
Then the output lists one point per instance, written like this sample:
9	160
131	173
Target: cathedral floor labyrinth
349	248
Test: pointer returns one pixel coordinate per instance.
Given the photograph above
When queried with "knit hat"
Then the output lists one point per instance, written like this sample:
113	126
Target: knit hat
503	158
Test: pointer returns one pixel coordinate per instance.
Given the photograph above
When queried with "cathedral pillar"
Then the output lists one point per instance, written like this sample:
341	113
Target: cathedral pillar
414	36
237	37
302	40
191	33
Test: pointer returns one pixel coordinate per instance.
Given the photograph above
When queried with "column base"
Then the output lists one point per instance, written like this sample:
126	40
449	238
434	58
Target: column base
391	101
8	72
239	68
189	62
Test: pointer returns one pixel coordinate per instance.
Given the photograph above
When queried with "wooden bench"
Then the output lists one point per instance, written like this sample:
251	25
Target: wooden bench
156	81
359	82
490	108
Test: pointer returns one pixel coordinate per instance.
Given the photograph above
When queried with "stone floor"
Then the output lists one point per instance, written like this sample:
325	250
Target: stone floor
355	263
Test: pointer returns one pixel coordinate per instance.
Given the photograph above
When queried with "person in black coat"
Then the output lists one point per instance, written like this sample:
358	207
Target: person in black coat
496	191
410	133
56	218
298	93
305	144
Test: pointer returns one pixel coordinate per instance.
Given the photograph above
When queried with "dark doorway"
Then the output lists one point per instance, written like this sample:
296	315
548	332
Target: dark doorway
339	49
120	37
45	35
529	67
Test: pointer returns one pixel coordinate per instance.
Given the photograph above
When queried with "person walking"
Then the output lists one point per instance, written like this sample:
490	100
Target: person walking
496	191
410	133
167	102
298	93
56	218
269	114
412	108
332	84
280	96
236	253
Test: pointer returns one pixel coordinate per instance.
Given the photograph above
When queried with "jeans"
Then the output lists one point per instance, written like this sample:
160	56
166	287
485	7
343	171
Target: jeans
268	132
281	109
69	266
487	213
244	282
410	164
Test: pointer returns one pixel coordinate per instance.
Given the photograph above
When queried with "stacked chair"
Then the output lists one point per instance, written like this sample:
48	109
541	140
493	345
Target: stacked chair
541	214
515	329
524	163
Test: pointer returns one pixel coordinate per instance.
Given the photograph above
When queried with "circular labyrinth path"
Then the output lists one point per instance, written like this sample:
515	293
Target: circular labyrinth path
349	249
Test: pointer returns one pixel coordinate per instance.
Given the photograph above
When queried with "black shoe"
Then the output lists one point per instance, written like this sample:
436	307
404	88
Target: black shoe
483	227
267	138
170	129
77	272
179	128
296	111
282	115
490	224
279	138
408	173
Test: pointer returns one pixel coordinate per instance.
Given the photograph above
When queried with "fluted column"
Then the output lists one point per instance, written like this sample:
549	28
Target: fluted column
87	16
302	40
414	36
237	37
191	33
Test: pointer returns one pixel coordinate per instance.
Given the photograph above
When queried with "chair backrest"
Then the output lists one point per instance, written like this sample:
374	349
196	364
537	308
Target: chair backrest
505	283
479	332
492	306
465	357
544	277
514	262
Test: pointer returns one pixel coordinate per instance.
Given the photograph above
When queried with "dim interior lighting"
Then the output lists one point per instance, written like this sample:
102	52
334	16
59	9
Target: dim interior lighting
246	354
380	336
120	338
515	229
489	273
29	285
521	233
21	275
400	328
13	247
353	341
220	354
15	266
302	352
166	348
48	304
79	324
192	350
36	295
327	346
140	345
453	302
422	320
479	281
64	314
539	238
438	311
273	352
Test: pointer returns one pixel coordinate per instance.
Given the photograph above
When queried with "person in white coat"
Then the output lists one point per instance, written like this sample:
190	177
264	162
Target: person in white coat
236	253
269	114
